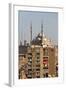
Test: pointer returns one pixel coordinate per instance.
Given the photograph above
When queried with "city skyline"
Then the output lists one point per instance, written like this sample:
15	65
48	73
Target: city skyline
50	25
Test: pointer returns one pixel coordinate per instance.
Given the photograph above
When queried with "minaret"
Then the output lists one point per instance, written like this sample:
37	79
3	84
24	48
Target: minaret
42	30
20	43
30	33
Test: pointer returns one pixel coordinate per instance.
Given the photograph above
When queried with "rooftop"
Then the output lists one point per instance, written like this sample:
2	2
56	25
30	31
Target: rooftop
39	40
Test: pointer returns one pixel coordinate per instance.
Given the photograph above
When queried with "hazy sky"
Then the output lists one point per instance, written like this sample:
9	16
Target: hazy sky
50	24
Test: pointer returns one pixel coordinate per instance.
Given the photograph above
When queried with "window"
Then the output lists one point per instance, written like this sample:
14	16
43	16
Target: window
45	75
29	53
38	65
38	60
56	68
37	76
29	62
45	66
29	69
30	73
38	57
37	69
29	57
38	53
45	60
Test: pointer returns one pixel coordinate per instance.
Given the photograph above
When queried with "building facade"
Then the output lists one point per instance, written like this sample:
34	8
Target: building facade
38	62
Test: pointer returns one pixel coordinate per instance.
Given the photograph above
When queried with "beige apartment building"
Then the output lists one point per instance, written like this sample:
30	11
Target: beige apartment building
41	62
37	61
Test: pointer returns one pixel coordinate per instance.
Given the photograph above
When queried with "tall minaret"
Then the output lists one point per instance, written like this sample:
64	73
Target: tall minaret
42	30
30	33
